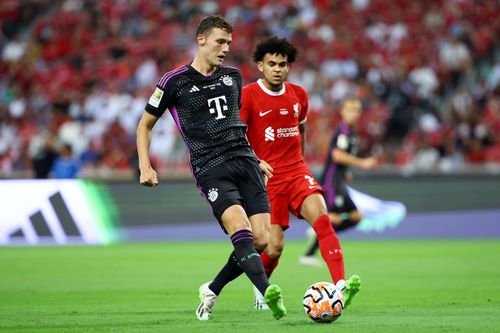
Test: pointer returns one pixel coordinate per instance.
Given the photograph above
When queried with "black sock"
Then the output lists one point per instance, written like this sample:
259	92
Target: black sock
313	247
249	260
228	273
231	269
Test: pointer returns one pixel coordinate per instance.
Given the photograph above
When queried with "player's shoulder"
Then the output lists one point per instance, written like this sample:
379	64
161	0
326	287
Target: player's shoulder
172	76
251	87
226	69
298	90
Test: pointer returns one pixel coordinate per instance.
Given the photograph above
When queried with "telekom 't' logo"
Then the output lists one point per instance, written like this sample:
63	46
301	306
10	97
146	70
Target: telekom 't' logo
218	106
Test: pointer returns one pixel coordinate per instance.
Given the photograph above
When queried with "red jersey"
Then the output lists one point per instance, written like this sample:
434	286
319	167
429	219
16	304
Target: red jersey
273	119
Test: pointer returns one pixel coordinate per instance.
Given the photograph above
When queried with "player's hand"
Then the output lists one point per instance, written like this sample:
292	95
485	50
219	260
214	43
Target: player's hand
369	163
149	177
266	169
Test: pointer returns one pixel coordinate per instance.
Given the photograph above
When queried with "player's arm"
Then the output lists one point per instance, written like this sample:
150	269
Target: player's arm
303	117
148	175
302	130
342	157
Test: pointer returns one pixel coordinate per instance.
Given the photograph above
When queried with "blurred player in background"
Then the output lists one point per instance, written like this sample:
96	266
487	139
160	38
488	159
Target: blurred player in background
275	112
204	100
343	149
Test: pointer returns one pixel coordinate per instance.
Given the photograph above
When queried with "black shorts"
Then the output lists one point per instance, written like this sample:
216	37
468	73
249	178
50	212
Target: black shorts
342	202
238	181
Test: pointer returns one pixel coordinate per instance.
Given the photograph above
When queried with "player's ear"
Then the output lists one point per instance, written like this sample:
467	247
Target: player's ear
260	66
201	40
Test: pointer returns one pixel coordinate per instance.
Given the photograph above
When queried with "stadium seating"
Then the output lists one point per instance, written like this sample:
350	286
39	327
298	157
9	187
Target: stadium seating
79	72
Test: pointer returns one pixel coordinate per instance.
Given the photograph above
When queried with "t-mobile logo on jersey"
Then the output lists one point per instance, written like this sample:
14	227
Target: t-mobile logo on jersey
217	102
269	134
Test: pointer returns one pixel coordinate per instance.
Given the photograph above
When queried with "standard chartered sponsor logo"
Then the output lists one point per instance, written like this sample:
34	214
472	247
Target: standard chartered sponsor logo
269	134
288	132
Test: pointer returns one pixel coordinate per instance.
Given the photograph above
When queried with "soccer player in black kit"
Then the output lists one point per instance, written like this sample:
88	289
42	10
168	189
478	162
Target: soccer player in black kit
342	154
203	97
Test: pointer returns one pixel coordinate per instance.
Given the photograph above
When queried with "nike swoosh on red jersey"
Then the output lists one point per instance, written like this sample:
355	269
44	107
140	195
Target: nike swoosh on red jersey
262	114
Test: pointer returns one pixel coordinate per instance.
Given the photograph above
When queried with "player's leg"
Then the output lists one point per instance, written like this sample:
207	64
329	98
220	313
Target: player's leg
244	258
313	209
347	220
209	291
343	214
220	192
249	260
270	258
330	248
232	270
279	223
259	228
254	193
238	227
345	210
340	223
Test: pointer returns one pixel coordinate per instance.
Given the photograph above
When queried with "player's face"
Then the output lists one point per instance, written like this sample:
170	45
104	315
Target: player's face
351	111
215	46
275	68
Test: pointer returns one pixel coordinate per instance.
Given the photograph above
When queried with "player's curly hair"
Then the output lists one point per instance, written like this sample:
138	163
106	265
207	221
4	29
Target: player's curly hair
211	22
275	45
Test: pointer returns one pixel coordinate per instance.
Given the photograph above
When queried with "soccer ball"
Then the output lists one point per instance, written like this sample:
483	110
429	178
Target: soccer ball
323	303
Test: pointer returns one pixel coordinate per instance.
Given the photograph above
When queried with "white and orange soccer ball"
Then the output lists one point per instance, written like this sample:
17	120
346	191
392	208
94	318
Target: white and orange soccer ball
323	302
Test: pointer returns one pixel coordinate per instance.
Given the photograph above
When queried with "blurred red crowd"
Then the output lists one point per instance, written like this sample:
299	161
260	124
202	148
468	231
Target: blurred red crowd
79	73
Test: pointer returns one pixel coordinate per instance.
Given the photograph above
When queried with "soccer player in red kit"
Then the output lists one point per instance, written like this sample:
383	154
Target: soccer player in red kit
275	112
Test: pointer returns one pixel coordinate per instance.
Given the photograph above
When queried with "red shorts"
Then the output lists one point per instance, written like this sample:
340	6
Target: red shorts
287	191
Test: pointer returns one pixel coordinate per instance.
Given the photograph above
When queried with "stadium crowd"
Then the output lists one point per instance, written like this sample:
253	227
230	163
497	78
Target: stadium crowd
76	74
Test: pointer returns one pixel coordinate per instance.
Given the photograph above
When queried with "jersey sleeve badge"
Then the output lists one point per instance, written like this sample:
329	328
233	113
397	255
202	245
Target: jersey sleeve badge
155	99
342	142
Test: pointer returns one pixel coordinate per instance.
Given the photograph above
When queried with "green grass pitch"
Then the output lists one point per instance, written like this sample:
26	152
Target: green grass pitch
408	286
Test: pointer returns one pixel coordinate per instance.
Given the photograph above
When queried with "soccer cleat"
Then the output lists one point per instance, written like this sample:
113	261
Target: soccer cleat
259	302
207	298
310	261
274	300
349	288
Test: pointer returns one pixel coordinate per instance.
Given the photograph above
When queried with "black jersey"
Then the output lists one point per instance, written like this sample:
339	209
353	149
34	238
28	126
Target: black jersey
206	111
344	138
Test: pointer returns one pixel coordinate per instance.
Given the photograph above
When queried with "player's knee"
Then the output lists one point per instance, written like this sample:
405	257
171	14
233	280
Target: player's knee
260	239
260	242
313	207
274	251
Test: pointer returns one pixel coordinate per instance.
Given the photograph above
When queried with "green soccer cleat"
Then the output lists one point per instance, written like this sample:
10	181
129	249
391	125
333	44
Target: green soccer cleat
274	299
352	287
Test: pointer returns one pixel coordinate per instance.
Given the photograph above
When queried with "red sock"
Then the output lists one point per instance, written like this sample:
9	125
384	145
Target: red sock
269	264
330	248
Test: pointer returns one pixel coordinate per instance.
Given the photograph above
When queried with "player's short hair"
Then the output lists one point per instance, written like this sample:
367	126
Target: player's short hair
211	22
275	45
350	99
